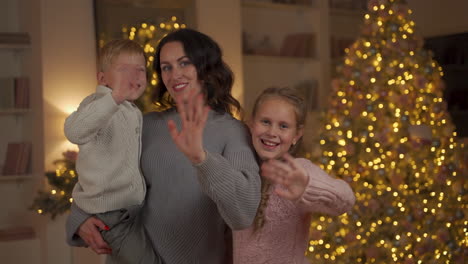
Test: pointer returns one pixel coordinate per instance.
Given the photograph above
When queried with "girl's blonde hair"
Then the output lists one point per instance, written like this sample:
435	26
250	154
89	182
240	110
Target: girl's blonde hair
114	48
293	97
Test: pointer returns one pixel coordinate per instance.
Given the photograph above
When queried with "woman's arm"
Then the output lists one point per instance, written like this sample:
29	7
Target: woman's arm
82	230
232	179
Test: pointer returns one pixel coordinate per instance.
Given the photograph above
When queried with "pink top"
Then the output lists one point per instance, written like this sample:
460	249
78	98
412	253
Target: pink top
284	236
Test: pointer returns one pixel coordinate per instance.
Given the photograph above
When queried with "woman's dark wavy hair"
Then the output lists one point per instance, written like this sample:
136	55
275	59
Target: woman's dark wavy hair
215	74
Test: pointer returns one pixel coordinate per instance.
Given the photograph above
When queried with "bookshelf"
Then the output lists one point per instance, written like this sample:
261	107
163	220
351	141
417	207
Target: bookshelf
272	56
16	178
266	24
20	58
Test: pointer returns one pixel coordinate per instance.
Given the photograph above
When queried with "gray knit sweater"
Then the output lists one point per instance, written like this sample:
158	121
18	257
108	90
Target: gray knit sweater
189	209
109	139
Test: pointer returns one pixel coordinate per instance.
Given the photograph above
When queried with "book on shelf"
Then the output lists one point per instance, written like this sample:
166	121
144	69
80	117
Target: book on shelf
298	45
309	91
7	93
17	158
21	92
339	44
14	38
17	233
14	93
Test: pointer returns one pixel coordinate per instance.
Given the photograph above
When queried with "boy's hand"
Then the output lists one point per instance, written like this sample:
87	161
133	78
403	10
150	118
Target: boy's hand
123	86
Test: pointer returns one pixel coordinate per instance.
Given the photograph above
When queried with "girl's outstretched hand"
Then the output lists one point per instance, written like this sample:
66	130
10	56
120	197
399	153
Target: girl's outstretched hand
289	174
193	114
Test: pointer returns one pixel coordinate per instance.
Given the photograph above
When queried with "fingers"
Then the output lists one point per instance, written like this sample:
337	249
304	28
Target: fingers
284	193
172	129
99	224
89	232
181	108
276	171
291	160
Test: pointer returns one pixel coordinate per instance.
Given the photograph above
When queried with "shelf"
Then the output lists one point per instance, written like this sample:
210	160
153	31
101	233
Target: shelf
347	12
13	111
14	46
7	178
269	5
281	59
455	67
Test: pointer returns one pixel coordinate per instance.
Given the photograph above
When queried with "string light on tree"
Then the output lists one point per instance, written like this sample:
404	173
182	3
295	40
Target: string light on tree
388	133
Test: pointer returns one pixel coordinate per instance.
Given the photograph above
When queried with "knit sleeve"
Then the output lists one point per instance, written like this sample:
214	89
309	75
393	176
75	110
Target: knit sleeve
93	113
325	194
231	179
74	220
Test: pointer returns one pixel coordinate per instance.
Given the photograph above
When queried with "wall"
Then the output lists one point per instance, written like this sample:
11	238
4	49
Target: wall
439	17
222	21
69	74
68	52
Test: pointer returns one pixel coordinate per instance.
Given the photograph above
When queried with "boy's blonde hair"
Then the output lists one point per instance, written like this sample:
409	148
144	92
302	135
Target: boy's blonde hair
114	48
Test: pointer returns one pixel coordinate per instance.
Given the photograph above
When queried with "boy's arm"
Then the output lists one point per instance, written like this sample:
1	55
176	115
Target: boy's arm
324	193
93	113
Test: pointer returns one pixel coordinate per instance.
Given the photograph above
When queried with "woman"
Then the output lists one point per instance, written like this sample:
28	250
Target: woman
201	174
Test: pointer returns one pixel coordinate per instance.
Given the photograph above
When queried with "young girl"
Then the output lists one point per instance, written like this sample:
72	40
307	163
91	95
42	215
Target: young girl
292	188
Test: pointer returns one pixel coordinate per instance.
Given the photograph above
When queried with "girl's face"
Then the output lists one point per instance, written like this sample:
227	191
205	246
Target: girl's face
274	128
178	73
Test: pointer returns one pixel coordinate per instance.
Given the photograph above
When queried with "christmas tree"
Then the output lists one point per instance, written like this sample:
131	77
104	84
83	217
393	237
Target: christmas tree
57	198
388	133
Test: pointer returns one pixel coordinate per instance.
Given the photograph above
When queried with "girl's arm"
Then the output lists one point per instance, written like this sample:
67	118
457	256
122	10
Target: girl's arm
312	189
324	193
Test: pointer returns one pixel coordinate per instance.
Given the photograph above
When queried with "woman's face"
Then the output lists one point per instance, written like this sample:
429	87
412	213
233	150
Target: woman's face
274	128
178	73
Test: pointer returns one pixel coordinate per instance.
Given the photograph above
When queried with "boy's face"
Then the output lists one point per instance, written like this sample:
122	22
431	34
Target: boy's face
126	73
274	128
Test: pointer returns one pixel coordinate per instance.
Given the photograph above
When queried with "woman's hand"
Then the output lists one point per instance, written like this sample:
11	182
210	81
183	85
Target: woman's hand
193	114
289	174
89	232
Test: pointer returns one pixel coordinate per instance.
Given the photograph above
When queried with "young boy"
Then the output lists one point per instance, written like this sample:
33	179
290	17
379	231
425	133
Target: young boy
107	129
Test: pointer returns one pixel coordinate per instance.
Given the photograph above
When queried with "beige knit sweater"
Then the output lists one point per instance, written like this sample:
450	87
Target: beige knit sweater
109	140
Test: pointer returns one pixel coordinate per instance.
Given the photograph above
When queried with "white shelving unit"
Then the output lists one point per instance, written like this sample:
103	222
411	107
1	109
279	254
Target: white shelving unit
20	59
271	22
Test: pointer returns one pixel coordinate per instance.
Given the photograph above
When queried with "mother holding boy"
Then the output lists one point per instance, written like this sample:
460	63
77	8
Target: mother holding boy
201	173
